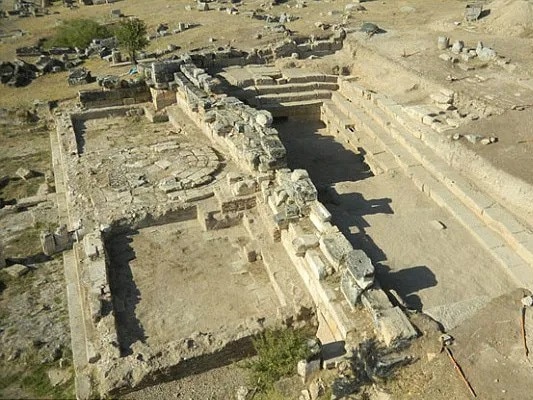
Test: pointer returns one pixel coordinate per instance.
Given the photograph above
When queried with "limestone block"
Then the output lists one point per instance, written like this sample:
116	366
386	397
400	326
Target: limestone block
244	187
170	184
319	211
281	220
428	119
17	270
97	274
48	243
273	146
307	369
303	192
444	106
443	42
317	264
271	201
280	197
350	289
457	46
24	173
486	54
296	230
394	327
440	98
359	266
302	243
299	174
335	247
264	118
322	227
263	80
375	301
447	92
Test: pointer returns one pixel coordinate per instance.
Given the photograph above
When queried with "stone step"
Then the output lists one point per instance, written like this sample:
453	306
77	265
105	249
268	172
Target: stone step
308	108
517	235
376	157
293	88
268	99
446	187
296	76
336	116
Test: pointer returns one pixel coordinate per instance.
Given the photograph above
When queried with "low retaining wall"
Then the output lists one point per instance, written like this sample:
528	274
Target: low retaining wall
115	97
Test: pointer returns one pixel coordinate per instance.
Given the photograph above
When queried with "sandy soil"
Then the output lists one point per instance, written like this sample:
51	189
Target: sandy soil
174	280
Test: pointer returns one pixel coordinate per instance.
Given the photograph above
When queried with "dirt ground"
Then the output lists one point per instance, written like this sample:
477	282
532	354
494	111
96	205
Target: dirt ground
488	347
175	280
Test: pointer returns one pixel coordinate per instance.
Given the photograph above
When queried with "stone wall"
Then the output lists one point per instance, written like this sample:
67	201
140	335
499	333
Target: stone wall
244	132
115	97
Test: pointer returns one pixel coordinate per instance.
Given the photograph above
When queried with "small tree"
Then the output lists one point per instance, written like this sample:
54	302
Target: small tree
131	35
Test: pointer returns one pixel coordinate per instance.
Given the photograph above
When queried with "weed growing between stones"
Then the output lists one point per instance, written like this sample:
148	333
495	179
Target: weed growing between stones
278	352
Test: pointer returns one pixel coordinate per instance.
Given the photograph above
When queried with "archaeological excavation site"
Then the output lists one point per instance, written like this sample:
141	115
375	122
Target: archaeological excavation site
294	199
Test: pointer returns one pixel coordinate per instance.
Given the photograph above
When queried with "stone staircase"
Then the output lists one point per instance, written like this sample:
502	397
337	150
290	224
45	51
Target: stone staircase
289	99
282	92
391	139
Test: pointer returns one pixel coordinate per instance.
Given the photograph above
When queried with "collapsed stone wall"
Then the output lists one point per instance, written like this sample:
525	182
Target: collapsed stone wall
245	132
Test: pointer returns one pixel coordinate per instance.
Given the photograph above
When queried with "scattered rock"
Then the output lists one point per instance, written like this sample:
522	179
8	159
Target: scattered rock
446	339
443	42
58	376
486	54
24	173
457	46
437	224
17	270
316	389
527	301
79	76
242	393
473	138
370	28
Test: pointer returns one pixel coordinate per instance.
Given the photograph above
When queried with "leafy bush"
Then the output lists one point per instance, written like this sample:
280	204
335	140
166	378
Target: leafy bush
278	352
79	33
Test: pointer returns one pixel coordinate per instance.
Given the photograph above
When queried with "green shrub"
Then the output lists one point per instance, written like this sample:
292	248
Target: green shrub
79	33
278	352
